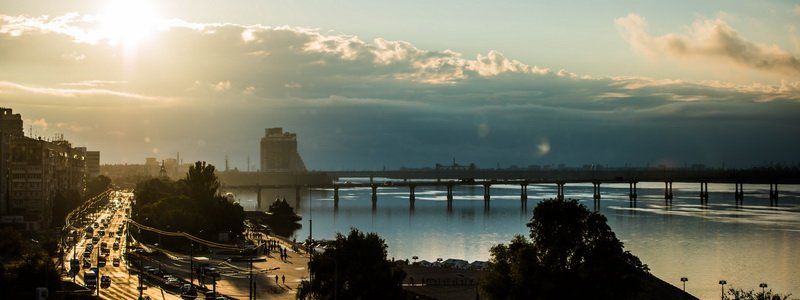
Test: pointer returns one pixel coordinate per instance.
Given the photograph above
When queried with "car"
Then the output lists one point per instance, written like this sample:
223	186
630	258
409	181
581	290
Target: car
87	253
101	261
210	295
188	291
87	264
173	282
115	261
105	281
116	246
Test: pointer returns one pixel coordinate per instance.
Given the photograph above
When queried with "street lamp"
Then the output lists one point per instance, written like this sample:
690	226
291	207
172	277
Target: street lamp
763	287
722	283
684	280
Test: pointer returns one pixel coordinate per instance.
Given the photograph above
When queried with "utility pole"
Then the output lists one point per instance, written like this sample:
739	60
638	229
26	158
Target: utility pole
191	264
252	293
99	282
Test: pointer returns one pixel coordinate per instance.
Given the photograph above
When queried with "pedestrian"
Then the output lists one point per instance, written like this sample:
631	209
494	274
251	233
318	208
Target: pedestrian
283	278
276	279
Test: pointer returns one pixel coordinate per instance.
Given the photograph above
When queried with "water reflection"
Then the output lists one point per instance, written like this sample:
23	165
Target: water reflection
746	241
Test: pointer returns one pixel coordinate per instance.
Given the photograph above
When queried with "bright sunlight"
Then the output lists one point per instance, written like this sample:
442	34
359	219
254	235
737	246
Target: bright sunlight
127	22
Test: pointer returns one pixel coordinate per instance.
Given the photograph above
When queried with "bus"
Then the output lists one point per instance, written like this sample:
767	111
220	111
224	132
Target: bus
90	278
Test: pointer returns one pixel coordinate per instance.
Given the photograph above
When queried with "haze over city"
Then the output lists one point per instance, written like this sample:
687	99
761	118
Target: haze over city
367	85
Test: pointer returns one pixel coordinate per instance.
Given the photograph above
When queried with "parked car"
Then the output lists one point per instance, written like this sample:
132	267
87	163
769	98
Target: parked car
115	261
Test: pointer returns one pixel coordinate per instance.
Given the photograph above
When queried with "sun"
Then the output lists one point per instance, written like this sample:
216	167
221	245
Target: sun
128	22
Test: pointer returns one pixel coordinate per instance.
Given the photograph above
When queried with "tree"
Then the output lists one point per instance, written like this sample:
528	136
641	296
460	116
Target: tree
189	205
152	190
571	253
201	181
12	244
37	270
97	185
63	204
353	267
740	294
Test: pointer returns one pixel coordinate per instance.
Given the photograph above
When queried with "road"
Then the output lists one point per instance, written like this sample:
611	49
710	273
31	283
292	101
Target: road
123	283
234	276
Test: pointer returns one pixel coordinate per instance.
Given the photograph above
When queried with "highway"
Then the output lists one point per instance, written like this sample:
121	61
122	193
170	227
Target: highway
124	284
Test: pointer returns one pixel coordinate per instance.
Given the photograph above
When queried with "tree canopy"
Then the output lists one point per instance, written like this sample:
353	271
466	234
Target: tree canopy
188	205
571	253
353	267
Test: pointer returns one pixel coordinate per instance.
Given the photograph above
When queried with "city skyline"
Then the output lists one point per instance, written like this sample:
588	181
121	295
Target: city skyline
705	83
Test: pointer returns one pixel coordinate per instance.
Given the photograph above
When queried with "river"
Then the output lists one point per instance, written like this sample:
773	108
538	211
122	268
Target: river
744	245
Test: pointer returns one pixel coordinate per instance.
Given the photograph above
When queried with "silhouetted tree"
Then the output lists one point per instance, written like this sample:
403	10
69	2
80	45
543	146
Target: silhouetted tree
353	267
282	218
24	266
571	253
37	270
97	185
201	182
11	244
152	190
189	205
63	203
740	294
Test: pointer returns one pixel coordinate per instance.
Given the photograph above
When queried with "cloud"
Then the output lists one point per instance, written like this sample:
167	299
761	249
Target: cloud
709	38
221	86
355	102
41	123
7	87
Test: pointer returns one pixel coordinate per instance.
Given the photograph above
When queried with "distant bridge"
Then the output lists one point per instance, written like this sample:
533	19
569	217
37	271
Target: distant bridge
449	178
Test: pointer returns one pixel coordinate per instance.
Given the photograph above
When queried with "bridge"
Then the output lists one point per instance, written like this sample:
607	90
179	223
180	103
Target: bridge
448	178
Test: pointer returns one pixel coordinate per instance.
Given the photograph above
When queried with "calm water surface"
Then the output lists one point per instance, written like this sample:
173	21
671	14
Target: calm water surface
745	245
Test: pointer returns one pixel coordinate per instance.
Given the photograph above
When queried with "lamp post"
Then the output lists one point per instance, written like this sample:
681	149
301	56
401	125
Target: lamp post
763	287
684	280
722	289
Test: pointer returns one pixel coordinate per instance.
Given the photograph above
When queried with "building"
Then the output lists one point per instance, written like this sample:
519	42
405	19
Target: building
33	172
10	128
92	164
279	152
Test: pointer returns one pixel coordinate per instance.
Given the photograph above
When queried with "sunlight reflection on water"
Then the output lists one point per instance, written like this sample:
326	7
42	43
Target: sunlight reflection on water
745	244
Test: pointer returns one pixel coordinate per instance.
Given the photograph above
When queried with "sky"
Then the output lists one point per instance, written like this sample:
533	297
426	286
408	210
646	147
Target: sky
372	84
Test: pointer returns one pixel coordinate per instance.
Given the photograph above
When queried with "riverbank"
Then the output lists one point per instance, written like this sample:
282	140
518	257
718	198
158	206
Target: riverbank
446	283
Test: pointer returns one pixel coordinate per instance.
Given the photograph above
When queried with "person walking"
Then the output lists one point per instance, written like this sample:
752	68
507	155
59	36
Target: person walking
283	278
276	279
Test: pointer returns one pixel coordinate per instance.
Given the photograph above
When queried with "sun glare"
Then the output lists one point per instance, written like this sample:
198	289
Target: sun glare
127	22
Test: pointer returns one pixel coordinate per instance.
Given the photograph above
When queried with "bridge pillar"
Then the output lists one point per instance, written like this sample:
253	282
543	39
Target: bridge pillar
258	198
773	194
633	192
412	197
297	197
560	193
523	195
335	196
704	191
668	190
374	193
487	192
739	192
596	191
450	196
